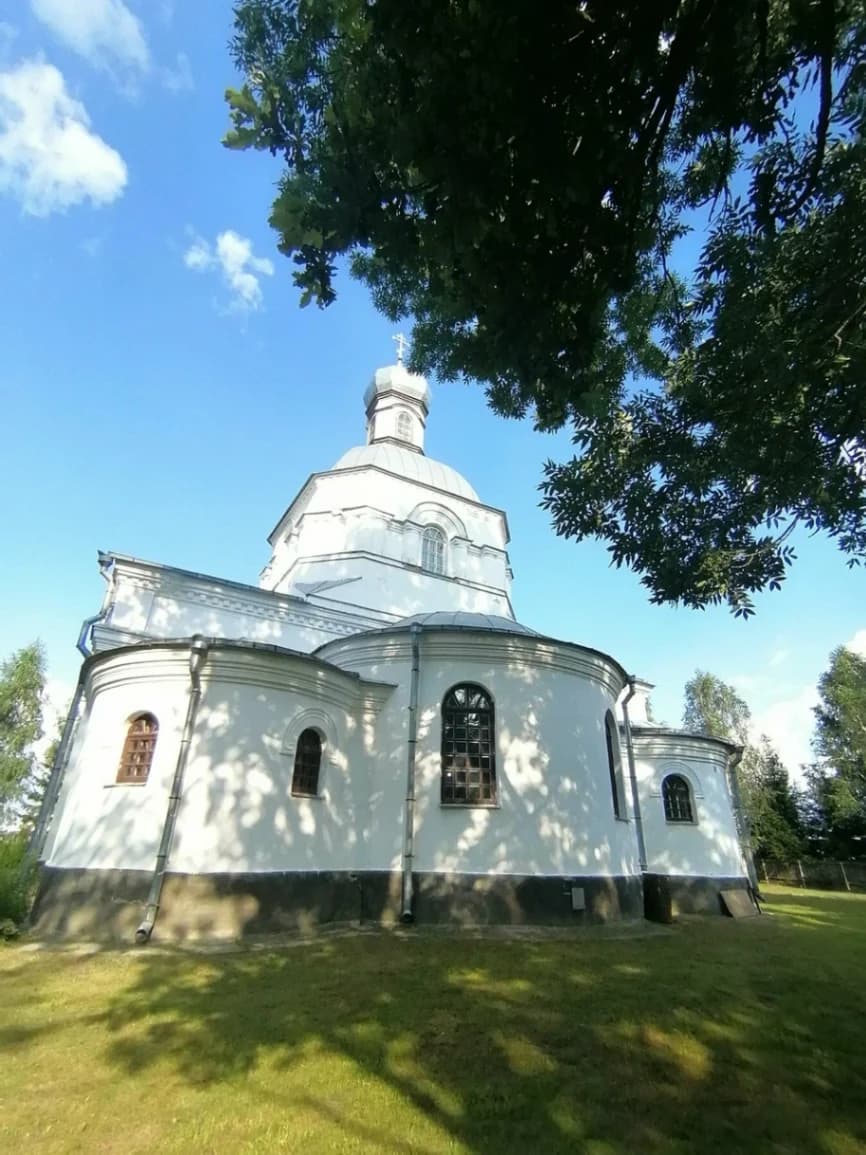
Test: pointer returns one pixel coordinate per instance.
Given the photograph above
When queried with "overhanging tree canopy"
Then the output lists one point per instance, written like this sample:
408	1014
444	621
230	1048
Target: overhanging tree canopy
517	179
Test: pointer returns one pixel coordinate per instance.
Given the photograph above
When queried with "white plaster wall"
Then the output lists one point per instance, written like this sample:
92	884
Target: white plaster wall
555	811
366	522
398	590
150	601
98	823
708	848
237	813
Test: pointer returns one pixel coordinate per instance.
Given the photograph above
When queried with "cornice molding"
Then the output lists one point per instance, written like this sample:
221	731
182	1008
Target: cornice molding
265	605
670	744
236	664
493	647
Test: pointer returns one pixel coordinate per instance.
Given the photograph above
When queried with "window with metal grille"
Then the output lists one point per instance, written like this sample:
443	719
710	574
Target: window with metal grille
614	764
677	798
468	756
308	759
138	748
433	550
404	426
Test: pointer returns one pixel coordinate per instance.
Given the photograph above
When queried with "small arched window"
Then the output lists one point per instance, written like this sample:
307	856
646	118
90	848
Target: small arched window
614	763
433	550
468	756
677	797
404	425
308	760
138	748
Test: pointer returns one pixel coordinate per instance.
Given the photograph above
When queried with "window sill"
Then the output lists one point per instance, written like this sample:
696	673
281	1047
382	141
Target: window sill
307	797
122	785
470	805
681	822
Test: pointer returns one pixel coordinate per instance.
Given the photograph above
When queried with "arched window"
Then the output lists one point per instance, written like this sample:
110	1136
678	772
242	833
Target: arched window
308	760
614	763
468	755
404	425
433	550
677	797
137	756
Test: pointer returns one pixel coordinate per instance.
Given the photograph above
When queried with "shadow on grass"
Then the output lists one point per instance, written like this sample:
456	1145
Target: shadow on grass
741	1038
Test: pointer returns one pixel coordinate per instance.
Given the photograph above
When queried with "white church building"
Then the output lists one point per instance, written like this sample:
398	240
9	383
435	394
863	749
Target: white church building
367	734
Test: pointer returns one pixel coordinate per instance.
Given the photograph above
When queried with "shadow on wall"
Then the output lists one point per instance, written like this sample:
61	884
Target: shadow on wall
697	1040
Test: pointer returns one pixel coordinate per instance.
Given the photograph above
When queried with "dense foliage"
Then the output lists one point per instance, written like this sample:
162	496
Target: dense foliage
838	779
714	708
520	182
22	684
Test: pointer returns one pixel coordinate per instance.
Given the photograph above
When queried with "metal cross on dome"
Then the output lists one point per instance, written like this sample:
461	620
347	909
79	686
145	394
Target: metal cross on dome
402	343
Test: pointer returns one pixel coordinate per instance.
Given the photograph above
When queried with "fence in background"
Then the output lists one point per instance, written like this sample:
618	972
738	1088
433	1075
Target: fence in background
823	875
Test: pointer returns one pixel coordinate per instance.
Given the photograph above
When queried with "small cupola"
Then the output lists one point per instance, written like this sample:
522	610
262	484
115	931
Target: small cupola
397	403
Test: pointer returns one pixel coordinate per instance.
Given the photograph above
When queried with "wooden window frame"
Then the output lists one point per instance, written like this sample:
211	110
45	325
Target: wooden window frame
136	758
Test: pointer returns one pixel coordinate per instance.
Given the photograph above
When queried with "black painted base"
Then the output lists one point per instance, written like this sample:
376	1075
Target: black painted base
109	904
666	895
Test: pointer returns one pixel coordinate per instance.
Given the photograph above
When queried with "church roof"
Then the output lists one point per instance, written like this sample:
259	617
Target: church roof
410	464
398	379
460	620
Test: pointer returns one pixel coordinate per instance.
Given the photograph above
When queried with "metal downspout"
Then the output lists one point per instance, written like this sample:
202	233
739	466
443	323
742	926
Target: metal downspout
409	816
197	654
632	774
741	820
106	570
55	778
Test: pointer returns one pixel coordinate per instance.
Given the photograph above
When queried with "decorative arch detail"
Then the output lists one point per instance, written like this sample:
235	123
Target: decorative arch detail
671	766
311	719
433	513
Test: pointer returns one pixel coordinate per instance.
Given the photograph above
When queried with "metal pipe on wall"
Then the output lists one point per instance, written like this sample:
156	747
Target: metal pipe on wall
407	913
632	774
197	654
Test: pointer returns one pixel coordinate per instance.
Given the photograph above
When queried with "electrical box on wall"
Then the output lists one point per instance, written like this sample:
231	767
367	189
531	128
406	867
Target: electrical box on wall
578	898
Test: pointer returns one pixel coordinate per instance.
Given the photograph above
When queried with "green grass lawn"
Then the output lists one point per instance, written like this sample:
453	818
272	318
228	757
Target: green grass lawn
716	1036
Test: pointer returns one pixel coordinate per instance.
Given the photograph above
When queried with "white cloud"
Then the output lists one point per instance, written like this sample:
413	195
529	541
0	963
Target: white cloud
104	32
789	724
858	643
232	257
49	158
179	78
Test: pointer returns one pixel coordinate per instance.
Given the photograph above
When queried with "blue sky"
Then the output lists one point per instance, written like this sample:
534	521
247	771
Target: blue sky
164	396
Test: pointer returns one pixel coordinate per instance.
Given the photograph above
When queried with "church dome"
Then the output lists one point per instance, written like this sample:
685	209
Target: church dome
397	379
410	464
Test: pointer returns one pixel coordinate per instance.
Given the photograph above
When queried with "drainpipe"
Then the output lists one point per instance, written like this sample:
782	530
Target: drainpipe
632	774
741	820
197	654
106	570
55	778
409	817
